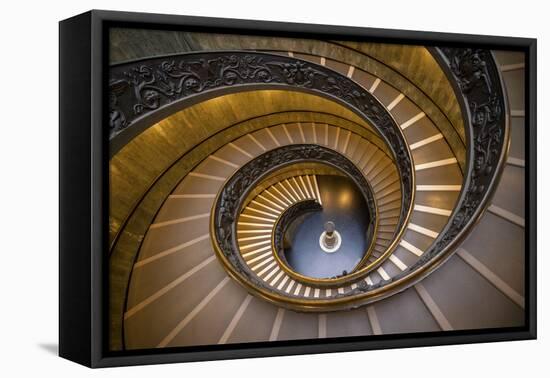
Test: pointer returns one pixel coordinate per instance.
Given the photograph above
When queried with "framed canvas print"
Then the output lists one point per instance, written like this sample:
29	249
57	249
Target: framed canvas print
234	188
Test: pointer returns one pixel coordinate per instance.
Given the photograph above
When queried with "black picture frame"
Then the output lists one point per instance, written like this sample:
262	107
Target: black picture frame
84	189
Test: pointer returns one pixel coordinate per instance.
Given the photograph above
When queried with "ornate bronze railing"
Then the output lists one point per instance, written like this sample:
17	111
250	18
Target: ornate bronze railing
230	199
285	220
477	82
143	92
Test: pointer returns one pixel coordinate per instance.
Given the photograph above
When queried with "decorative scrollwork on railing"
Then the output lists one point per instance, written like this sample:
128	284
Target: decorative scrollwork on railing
477	76
231	197
287	217
479	89
138	89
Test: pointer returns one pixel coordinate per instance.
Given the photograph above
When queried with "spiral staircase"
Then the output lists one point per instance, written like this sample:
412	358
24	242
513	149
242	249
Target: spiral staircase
200	241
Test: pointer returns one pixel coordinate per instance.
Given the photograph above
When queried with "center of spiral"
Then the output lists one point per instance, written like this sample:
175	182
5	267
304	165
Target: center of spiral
330	240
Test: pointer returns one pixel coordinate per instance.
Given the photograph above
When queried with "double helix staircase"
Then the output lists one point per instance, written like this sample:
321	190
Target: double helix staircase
182	292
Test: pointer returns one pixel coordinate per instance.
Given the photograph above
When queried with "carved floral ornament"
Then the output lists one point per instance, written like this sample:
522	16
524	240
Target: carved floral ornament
141	87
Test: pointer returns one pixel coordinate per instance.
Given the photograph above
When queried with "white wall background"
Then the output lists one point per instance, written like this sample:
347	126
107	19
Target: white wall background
29	186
